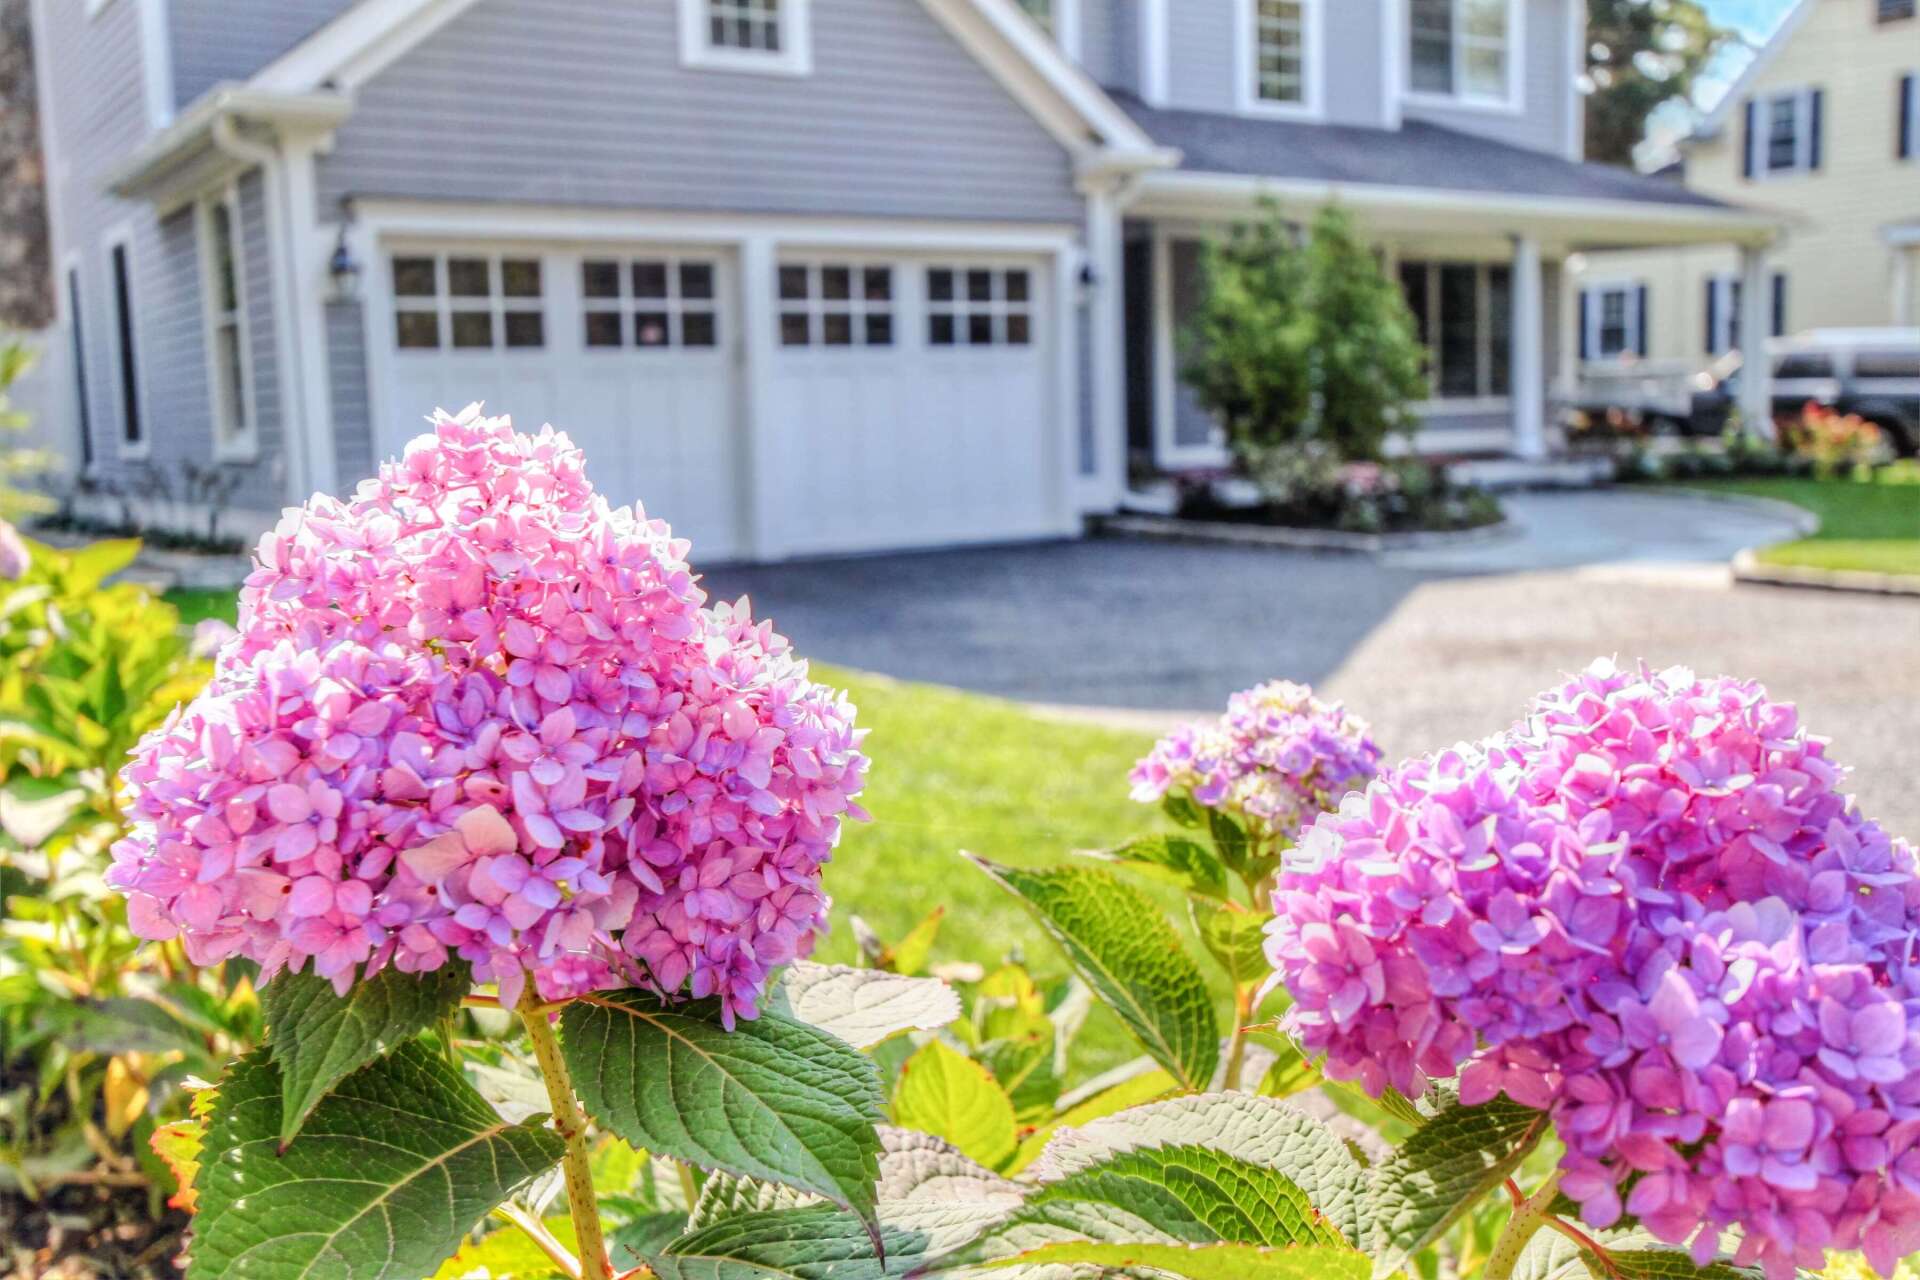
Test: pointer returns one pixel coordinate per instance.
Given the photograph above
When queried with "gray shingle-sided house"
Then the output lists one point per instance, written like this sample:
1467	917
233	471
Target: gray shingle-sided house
807	276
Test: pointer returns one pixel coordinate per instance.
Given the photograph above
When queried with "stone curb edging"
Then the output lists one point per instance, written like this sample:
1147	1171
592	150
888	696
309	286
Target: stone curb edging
1748	568
1174	529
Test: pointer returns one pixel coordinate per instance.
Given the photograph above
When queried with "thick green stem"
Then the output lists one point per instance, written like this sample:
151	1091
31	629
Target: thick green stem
571	1122
1528	1217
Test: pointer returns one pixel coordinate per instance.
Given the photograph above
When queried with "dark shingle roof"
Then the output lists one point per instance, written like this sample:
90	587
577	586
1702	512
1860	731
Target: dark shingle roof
1416	155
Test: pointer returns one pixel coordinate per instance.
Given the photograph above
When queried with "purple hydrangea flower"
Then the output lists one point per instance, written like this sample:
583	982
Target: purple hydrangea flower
1278	757
1649	909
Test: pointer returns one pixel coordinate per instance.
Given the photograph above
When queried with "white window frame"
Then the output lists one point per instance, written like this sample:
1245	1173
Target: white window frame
793	58
1596	308
233	441
1313	62
1761	140
1511	102
121	237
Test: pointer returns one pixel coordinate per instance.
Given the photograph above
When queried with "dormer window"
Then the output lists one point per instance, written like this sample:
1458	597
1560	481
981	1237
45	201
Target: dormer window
746	35
1280	62
1462	51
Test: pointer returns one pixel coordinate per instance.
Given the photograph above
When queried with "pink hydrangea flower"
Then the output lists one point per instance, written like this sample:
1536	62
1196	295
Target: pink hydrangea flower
1650	910
475	713
1276	759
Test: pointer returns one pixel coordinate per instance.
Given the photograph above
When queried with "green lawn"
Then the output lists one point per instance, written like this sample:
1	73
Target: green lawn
1874	527
955	771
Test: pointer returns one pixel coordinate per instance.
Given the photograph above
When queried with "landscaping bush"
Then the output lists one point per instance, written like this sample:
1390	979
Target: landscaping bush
97	1030
1303	341
1305	488
1836	443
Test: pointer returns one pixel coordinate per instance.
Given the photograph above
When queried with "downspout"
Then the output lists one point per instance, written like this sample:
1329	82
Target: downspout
273	190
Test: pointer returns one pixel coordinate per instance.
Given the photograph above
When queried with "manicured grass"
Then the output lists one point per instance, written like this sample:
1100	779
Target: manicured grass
955	771
1868	526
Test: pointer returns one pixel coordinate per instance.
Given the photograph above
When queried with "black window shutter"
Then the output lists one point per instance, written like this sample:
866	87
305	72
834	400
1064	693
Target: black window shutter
1906	117
1586	344
1814	100
1779	303
1640	308
1713	316
1746	140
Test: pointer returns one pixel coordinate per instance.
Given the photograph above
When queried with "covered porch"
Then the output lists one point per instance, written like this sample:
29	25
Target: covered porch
1477	233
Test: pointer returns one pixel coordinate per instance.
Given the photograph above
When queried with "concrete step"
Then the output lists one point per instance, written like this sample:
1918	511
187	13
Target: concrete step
1506	474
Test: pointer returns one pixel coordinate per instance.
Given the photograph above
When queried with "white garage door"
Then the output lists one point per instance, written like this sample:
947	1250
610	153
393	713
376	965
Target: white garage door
913	403
911	399
628	352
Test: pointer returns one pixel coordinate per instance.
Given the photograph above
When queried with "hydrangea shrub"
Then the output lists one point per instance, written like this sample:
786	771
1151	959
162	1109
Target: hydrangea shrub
1649	910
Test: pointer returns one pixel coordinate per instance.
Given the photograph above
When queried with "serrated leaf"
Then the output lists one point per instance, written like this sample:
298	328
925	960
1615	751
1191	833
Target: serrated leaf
773	1099
389	1174
1233	937
1122	946
1149	1084
1204	1262
318	1037
862	1006
943	1092
1672	1264
1175	860
1441	1170
1631	1255
1260	1131
932	1200
724	1196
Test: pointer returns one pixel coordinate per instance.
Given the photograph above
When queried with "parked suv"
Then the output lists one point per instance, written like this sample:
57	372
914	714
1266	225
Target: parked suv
1874	373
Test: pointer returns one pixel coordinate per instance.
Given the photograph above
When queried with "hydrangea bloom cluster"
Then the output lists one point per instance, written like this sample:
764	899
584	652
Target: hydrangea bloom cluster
1648	909
475	712
1278	757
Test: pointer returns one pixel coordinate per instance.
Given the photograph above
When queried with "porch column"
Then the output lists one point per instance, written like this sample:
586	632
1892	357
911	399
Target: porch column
1756	371
1102	477
1528	363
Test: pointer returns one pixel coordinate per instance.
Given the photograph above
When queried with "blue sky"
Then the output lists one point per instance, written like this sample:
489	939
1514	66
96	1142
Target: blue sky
1754	19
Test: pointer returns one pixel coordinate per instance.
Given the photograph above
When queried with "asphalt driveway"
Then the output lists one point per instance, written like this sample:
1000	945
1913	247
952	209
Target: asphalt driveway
1432	647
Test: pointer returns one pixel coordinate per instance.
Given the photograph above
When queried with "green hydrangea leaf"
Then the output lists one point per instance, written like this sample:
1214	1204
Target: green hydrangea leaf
1264	1132
1233	937
774	1099
1203	1262
319	1037
947	1094
1441	1170
724	1196
932	1200
389	1174
862	1006
508	1254
1123	948
1175	860
1631	1255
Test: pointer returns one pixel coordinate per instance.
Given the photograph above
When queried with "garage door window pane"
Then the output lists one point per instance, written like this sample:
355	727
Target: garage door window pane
1019	331
696	280
520	278
980	331
877	285
880	331
940	285
649	279
473	329
793	329
600	279
793	284
650	329
469	277
940	329
979	286
526	329
417	330
414	277
697	329
603	329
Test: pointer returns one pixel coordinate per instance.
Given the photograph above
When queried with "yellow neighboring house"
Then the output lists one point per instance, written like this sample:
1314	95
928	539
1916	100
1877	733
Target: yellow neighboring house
1824	126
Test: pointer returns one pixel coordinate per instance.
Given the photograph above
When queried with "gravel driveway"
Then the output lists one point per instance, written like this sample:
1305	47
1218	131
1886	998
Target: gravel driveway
1432	647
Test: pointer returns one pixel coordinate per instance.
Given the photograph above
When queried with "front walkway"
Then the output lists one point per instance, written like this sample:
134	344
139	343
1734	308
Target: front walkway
1431	647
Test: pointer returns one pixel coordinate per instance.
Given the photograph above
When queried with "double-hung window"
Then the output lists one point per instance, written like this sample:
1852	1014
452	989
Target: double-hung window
229	355
1463	51
1613	321
747	35
1463	313
1280	56
1783	133
1725	302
